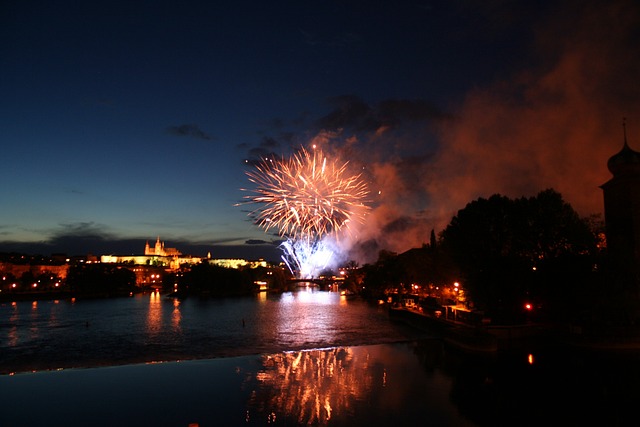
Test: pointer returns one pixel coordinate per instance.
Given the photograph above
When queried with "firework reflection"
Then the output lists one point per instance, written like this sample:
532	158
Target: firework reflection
307	387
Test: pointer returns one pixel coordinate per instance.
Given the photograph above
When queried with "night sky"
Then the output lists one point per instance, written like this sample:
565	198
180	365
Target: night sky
122	121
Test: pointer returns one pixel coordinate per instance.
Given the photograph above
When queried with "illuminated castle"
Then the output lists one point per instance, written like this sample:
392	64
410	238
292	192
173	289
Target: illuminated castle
160	250
172	259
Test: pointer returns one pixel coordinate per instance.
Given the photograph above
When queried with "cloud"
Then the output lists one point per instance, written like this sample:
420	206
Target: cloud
353	113
192	131
260	242
77	239
269	148
81	229
395	111
349	111
86	237
80	239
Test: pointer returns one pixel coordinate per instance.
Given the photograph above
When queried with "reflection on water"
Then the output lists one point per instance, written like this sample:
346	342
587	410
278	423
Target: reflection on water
34	330
308	386
154	314
175	315
307	313
378	385
152	327
262	297
365	385
415	382
53	315
315	367
12	334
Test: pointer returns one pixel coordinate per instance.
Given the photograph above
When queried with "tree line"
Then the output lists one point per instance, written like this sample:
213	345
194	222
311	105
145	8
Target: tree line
506	253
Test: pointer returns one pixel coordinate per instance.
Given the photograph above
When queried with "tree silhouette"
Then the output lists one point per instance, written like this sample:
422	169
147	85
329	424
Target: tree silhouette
510	251
100	280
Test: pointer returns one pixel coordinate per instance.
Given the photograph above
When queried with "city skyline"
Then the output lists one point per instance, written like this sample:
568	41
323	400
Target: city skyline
123	122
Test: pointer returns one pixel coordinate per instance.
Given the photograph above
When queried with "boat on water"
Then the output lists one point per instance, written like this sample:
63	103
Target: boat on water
348	293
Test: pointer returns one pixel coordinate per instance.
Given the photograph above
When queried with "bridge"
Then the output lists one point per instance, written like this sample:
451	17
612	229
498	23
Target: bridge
315	282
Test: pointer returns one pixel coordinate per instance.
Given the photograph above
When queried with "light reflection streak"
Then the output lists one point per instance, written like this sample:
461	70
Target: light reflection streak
304	312
35	331
13	330
154	317
308	295
262	297
287	298
176	314
53	318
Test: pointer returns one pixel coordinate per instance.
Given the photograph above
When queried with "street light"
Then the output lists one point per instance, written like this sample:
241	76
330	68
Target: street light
456	288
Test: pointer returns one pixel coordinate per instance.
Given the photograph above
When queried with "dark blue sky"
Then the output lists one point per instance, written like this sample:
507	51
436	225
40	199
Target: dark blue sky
124	120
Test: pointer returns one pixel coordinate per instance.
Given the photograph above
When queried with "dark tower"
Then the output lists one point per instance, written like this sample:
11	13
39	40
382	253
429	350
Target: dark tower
622	218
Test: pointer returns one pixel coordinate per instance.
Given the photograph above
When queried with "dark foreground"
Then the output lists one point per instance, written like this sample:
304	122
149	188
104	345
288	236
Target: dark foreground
413	383
367	385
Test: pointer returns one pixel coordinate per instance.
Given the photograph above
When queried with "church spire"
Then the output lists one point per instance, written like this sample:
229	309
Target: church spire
626	160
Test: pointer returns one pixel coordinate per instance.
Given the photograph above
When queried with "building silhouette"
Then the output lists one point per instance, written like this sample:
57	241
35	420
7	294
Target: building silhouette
622	219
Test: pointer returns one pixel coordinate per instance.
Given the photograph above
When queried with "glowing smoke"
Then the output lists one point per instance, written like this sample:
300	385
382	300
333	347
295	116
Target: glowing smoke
549	117
551	121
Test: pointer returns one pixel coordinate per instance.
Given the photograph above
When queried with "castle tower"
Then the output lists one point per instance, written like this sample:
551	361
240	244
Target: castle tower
622	216
159	248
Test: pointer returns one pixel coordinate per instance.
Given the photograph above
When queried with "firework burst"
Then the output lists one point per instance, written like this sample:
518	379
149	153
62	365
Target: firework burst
306	198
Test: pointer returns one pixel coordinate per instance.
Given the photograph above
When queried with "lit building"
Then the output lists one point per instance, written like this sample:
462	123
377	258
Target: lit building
172	259
160	250
237	263
158	256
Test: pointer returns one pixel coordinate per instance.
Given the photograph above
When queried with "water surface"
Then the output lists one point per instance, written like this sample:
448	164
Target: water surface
302	358
43	335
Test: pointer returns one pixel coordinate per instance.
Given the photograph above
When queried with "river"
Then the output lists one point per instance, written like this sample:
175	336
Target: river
299	358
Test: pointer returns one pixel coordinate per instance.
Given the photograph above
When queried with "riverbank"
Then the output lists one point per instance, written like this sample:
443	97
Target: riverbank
455	333
34	296
494	338
62	295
